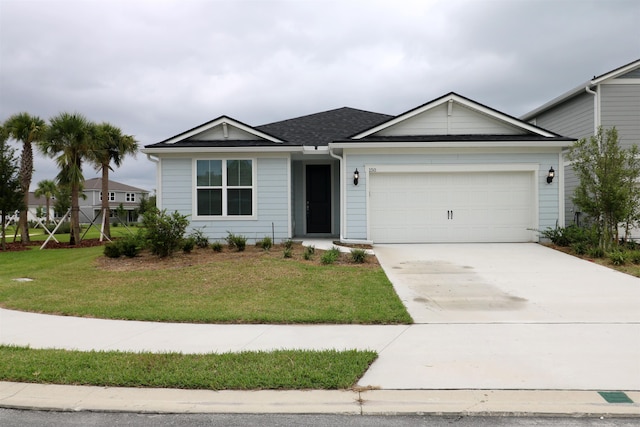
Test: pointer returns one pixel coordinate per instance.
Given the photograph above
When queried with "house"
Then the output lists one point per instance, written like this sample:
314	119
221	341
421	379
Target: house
611	99
120	195
450	170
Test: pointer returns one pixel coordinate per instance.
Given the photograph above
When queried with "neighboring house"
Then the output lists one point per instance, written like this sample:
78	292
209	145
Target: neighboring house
39	205
119	194
611	99
451	170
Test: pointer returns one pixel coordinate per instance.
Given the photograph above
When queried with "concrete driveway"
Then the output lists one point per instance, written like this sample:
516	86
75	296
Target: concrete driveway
509	316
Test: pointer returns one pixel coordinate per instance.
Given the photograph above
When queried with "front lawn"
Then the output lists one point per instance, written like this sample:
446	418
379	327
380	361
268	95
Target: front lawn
285	369
254	286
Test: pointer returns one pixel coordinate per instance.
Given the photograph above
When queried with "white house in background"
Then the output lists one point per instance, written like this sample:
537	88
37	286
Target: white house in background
450	170
119	194
611	99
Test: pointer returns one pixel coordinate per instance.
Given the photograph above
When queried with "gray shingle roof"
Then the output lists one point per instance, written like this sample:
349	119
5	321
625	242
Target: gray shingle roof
96	184
320	129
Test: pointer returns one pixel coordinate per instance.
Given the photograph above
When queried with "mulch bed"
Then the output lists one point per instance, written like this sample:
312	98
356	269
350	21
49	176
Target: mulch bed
19	246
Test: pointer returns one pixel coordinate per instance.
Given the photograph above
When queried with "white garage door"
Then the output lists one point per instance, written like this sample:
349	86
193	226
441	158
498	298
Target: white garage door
451	207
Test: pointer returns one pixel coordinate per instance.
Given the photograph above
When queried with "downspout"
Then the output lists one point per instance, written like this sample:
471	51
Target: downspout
156	160
343	185
596	115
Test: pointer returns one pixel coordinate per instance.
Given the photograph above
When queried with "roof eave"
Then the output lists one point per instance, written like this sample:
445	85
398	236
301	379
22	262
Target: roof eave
192	150
560	144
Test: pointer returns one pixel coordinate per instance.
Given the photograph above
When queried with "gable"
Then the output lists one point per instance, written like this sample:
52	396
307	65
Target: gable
224	131
453	114
450	118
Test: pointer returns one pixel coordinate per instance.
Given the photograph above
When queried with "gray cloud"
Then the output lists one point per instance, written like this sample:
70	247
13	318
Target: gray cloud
157	68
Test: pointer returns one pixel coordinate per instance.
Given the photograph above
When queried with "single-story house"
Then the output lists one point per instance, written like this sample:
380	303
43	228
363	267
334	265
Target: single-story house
450	170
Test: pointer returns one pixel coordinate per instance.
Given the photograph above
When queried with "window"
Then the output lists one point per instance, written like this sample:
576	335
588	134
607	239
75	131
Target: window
131	197
224	187
112	196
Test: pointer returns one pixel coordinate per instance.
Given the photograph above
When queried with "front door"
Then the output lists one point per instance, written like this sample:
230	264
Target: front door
318	198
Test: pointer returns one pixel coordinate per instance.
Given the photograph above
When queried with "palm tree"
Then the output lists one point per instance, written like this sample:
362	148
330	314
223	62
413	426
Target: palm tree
27	129
48	189
69	142
110	145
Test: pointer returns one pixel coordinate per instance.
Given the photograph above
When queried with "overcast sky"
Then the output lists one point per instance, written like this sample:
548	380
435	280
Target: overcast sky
158	68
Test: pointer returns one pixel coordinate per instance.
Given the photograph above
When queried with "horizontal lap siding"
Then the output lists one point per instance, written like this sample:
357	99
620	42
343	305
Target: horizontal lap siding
272	200
573	118
356	211
620	107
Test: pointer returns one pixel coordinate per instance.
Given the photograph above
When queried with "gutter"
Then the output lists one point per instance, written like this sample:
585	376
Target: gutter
156	160
596	110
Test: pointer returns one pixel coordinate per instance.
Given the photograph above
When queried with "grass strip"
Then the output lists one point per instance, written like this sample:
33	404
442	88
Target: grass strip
277	370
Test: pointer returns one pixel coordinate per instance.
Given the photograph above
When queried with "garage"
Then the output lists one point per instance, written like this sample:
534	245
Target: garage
446	206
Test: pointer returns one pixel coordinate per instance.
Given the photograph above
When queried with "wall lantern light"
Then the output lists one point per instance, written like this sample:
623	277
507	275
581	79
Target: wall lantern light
356	176
551	175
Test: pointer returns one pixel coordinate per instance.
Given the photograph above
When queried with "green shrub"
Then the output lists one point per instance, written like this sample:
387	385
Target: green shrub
65	228
595	252
567	236
308	252
617	257
265	243
129	246
288	252
288	244
330	256
199	239
188	244
236	242
579	248
164	233
634	256
112	250
216	246
358	255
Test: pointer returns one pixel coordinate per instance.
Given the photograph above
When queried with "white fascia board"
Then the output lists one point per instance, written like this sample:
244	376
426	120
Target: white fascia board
450	144
214	123
617	72
193	150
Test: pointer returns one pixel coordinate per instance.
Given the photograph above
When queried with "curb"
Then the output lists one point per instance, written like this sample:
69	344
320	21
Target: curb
573	403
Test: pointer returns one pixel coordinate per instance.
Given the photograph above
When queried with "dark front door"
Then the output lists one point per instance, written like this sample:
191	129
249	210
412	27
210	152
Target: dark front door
318	199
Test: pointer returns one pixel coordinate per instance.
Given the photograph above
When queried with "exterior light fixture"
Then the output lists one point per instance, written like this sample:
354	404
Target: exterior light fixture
551	175
356	176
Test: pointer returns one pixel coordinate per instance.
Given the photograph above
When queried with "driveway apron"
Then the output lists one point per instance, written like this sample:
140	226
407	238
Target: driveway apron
509	316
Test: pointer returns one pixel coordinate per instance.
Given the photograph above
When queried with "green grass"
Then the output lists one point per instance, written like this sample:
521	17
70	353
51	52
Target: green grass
264	288
287	369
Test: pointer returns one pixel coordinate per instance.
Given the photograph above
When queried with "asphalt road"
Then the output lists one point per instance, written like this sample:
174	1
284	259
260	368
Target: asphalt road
19	418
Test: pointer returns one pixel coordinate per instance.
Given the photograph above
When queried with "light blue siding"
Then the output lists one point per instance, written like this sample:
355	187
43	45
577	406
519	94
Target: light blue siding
356	209
272	199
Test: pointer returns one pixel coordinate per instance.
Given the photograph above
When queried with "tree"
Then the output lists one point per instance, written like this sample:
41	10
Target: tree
48	189
26	129
11	197
110	146
607	191
69	142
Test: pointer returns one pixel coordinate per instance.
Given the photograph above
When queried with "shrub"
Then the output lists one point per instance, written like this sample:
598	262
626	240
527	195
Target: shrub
308	252
265	243
358	255
595	252
65	228
330	256
112	250
163	232
199	239
216	246
288	244
567	236
288	252
617	257
188	244
634	256
129	246
236	242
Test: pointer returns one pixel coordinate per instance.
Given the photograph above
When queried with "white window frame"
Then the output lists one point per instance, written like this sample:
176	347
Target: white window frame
112	196
130	197
224	187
